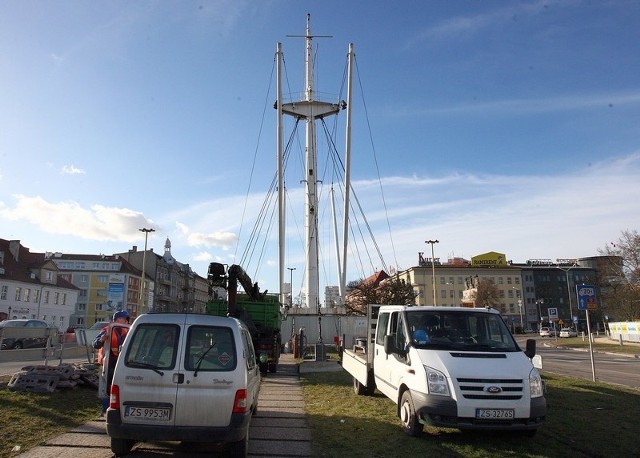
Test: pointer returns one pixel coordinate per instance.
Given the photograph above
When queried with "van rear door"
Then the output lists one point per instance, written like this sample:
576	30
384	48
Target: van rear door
211	376
150	373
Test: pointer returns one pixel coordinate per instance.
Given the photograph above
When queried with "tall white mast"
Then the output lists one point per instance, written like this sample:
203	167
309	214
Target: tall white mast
310	110
281	201
347	179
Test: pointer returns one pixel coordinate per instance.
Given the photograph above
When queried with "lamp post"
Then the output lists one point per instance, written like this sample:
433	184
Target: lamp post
146	231
433	269
291	269
538	303
521	322
566	271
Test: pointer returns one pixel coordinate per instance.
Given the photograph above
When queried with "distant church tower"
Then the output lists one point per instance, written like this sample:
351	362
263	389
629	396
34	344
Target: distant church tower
168	257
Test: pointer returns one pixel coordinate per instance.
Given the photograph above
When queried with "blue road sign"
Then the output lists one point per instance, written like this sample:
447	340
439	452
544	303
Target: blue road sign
586	297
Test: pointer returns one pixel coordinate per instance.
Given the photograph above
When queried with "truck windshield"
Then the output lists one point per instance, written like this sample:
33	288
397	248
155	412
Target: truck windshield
459	330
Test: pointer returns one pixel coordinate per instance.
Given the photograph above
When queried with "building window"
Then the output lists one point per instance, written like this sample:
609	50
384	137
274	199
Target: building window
103	278
5	290
500	280
82	307
27	294
84	278
56	297
46	297
48	276
18	294
64	298
36	296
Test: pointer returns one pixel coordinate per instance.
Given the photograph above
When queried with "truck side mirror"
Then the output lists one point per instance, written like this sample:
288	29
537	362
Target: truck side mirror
531	348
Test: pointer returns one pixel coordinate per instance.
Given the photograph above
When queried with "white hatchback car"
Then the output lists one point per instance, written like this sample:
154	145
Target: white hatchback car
184	377
568	332
547	332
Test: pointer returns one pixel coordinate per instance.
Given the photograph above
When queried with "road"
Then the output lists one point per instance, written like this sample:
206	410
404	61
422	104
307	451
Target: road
611	368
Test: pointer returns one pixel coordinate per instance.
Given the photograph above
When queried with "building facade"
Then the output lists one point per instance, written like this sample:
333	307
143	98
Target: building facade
176	287
31	286
525	291
105	283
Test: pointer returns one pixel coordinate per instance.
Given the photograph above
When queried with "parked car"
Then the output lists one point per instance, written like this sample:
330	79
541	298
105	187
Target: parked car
547	332
568	332
25	333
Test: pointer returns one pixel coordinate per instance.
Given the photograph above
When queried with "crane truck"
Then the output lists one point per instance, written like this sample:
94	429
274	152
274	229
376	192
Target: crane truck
455	367
261	312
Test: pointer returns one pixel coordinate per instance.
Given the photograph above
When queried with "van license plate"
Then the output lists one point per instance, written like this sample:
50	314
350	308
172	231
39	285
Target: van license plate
148	413
494	414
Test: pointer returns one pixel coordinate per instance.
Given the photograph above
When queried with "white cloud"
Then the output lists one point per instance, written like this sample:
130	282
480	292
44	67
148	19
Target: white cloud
72	170
69	218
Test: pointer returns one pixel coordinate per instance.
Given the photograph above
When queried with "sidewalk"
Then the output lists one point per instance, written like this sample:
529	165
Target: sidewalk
279	429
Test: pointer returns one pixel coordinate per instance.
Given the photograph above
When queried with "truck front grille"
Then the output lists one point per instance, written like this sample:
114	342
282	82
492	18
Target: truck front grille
496	389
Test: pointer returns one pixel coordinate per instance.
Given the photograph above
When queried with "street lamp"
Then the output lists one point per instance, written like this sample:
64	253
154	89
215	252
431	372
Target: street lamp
291	269
566	271
146	231
433	269
538	302
521	322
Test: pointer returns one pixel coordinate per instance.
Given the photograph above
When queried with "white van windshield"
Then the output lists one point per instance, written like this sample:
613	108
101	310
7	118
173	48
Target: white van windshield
459	330
153	346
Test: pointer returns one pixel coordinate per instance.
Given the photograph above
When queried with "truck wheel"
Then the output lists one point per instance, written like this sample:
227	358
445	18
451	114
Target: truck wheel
410	423
121	447
358	387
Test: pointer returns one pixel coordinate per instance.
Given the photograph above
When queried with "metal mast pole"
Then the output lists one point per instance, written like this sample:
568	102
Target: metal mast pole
347	178
281	200
309	110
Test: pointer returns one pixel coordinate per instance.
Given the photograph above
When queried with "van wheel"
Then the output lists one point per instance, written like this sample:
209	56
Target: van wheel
410	423
121	447
240	448
18	345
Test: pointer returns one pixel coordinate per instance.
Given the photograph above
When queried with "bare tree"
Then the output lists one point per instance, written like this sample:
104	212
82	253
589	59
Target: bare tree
619	278
389	291
487	294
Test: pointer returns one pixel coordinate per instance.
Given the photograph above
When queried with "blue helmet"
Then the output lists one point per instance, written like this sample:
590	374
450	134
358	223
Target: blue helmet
121	314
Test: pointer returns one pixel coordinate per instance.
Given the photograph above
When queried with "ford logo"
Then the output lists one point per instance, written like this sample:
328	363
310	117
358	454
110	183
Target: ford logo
493	389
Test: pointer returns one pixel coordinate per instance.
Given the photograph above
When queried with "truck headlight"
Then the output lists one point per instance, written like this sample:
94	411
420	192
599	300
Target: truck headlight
437	382
536	385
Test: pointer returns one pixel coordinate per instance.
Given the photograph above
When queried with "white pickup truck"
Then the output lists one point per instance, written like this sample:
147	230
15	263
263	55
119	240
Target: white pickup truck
454	367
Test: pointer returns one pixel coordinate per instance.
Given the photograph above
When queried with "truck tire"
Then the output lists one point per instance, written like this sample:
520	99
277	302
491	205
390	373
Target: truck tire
358	387
410	422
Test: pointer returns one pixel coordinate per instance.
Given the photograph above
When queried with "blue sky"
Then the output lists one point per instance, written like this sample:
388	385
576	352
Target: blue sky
491	126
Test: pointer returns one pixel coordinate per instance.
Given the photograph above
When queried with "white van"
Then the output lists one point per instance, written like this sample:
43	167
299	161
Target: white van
184	377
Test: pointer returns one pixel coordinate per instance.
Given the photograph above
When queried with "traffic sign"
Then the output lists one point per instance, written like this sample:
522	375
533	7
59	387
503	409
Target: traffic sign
553	313
586	297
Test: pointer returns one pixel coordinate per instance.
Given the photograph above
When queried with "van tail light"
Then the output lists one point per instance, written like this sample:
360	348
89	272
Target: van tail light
114	397
241	403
